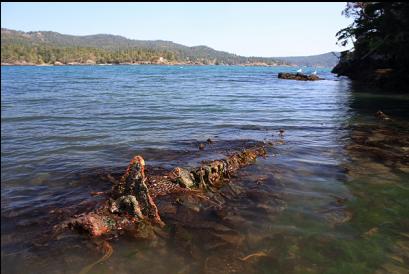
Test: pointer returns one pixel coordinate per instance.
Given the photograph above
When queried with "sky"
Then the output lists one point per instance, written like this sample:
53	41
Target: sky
248	29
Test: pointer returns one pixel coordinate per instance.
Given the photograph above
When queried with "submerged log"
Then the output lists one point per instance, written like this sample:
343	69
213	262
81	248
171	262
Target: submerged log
213	173
298	76
131	201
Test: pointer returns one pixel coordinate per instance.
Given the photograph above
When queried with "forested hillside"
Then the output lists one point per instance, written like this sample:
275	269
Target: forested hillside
51	47
46	47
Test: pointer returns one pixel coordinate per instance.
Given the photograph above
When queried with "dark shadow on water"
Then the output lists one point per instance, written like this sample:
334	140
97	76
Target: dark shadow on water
367	100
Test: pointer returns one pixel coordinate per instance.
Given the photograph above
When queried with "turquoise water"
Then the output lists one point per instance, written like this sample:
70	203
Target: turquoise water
334	197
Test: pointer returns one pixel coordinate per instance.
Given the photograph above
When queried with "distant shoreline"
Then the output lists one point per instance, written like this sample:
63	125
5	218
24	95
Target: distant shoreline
52	48
140	64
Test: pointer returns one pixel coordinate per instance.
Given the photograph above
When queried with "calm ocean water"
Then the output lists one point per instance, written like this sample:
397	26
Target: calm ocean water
63	126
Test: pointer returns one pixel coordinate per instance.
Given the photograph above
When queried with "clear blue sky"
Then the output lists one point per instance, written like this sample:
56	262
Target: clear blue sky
249	29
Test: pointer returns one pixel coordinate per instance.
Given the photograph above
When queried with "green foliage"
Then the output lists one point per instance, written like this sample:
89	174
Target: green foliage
50	47
380	31
12	53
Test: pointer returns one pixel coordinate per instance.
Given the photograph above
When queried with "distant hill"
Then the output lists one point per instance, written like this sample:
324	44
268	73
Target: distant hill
47	47
328	60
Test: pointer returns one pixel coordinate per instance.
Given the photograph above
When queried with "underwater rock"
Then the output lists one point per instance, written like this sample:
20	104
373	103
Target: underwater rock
337	215
298	76
381	115
371	232
233	238
226	263
378	152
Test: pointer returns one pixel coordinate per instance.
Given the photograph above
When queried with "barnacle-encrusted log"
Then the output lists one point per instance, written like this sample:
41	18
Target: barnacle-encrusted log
215	172
133	183
131	199
126	204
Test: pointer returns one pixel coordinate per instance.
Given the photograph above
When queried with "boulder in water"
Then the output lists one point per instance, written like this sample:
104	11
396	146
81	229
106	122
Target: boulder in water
298	76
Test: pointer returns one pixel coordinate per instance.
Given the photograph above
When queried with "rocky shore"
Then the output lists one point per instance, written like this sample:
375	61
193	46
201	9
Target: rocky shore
372	71
134	64
164	62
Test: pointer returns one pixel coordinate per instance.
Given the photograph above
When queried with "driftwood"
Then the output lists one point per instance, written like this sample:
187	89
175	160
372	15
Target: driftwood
130	205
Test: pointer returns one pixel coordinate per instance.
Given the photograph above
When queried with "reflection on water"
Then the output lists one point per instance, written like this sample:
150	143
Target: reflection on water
333	198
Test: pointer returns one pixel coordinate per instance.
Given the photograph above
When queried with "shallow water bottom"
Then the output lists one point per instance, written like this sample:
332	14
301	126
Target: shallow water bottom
288	213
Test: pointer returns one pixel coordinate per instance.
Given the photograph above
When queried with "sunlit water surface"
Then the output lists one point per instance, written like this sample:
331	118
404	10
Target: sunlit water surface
334	198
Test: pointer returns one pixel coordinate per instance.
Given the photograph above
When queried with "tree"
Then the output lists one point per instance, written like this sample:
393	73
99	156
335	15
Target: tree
379	28
380	37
